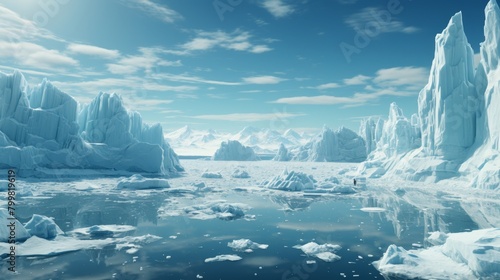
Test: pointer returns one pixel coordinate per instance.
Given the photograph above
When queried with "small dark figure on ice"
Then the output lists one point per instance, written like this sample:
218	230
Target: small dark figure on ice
354	182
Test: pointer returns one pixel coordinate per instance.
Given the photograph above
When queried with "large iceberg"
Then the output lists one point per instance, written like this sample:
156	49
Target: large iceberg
234	150
343	145
41	127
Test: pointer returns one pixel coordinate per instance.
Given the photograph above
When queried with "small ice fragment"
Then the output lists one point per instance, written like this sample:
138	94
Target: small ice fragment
199	276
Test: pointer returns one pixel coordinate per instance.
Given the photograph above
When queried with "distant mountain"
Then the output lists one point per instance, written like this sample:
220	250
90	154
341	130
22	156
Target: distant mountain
187	141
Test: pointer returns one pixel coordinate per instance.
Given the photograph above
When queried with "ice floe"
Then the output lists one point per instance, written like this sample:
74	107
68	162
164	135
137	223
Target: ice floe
324	252
138	182
246	245
222	258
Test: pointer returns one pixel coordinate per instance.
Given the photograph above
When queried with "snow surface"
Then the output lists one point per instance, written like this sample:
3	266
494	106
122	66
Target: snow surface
41	127
464	255
138	182
323	252
234	150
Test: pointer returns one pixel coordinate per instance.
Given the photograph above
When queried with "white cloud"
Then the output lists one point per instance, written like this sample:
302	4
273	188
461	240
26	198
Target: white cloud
237	41
146	60
191	79
278	8
36	56
357	80
415	77
263	80
247	117
327	86
314	100
93	51
14	28
377	21
186	96
153	9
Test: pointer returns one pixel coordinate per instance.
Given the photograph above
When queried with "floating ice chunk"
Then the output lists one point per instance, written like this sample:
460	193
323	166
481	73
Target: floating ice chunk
238	173
214	210
221	258
7	225
464	255
43	227
343	189
372	209
324	252
213	175
102	231
245	244
138	182
291	181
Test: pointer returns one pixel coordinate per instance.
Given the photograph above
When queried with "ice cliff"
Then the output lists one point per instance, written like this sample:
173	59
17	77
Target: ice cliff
42	127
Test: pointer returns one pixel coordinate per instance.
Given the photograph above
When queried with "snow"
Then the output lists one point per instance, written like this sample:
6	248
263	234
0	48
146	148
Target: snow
43	227
464	255
5	219
241	174
222	258
291	181
41	127
138	182
343	145
234	150
246	245
324	252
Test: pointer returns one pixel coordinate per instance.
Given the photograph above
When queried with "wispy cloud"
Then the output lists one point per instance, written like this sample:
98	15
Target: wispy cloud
14	28
93	51
414	77
357	80
263	80
248	117
327	86
146	60
237	40
375	16
278	8
153	9
36	56
191	79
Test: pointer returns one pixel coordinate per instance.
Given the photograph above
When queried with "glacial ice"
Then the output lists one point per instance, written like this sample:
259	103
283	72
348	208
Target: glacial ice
211	175
239	173
324	252
246	245
222	258
463	255
282	154
41	127
21	232
102	231
138	182
234	150
219	209
43	227
291	181
343	145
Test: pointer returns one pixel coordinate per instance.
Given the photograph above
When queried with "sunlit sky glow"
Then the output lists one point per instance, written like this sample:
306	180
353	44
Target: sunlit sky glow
209	64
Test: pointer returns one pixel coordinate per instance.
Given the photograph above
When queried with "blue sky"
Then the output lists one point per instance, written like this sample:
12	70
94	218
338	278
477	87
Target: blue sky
226	64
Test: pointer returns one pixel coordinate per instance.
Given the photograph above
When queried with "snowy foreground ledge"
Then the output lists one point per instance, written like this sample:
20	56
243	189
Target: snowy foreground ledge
464	255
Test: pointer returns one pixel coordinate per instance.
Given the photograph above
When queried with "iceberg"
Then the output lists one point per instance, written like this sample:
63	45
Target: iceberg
42	127
241	174
463	255
343	145
323	252
282	154
291	181
43	227
222	258
5	231
371	131
246	245
233	150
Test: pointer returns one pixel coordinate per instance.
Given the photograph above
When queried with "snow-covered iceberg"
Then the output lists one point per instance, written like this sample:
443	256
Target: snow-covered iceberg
464	255
324	252
9	226
282	154
234	150
246	245
291	181
42	127
138	182
343	145
43	227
